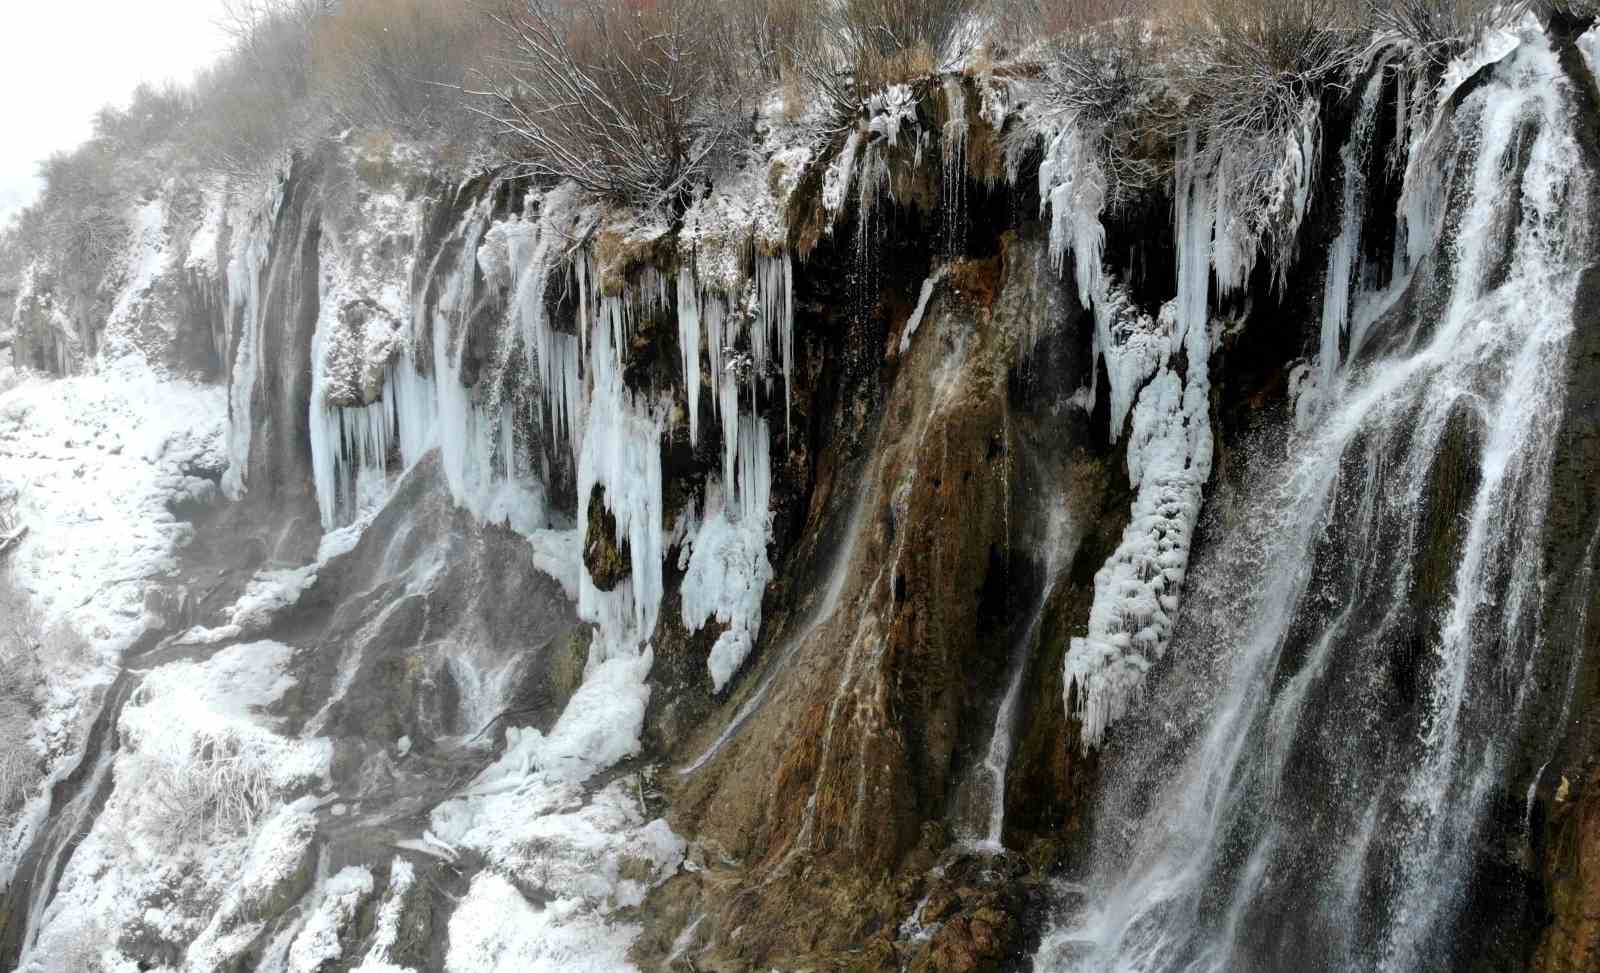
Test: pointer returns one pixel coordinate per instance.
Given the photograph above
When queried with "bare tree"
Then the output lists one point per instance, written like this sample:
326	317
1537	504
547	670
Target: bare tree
402	64
620	97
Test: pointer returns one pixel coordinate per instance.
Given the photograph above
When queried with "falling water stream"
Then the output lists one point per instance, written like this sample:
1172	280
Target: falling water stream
1305	782
981	798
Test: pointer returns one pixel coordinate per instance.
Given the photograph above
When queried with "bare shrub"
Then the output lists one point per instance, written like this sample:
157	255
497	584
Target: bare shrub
1248	77
867	44
400	64
767	36
623	99
1438	30
208	784
20	646
1102	71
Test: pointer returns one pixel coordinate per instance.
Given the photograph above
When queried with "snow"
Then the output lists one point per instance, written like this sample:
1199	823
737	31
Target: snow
531	817
148	256
721	226
276	858
600	726
495	930
189	844
318	943
386	927
726	566
202	254
189	711
90	551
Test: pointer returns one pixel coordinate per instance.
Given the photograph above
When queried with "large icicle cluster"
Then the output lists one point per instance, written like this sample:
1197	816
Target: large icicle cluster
737	332
725	554
1169	460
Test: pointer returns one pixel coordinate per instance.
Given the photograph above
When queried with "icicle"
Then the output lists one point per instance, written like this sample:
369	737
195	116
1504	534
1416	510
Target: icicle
689	347
728	571
244	306
1345	251
839	175
915	321
775	292
622	453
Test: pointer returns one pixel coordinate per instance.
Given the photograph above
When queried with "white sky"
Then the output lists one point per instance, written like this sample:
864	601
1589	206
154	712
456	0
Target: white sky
60	60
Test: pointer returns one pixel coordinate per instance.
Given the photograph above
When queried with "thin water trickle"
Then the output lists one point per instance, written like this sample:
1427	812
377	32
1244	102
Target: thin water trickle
981	798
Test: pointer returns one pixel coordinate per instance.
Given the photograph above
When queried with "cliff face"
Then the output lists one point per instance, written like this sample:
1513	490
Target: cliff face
897	560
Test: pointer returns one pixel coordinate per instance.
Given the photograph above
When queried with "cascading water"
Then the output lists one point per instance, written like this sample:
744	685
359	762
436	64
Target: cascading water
1307	781
981	800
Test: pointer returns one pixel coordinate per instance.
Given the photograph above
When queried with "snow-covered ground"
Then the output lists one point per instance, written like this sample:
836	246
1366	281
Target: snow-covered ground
95	462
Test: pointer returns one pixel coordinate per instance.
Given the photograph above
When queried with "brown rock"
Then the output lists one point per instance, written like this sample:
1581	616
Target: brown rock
607	561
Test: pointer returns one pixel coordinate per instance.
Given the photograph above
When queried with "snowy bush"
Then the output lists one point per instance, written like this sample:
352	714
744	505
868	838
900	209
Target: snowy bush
82	213
212	785
619	98
865	46
200	751
79	948
1438	30
20	644
1103	77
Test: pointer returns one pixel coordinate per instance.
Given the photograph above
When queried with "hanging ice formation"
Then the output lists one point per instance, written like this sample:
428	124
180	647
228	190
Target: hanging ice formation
583	407
725	555
1169	448
1344	253
244	313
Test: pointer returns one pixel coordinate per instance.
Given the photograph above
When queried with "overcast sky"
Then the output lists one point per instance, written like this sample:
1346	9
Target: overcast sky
60	60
